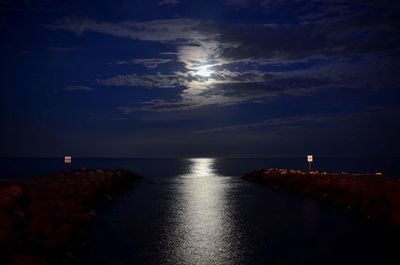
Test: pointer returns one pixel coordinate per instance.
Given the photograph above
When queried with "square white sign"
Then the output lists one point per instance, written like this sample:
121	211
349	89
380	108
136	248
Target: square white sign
67	160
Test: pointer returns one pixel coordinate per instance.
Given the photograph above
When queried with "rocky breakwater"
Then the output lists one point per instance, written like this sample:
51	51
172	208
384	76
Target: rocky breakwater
373	195
46	220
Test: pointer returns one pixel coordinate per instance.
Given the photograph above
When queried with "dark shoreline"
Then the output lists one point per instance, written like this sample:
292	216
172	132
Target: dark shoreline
45	220
375	196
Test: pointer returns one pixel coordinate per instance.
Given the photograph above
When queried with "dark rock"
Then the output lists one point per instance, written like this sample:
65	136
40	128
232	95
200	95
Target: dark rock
51	215
28	259
41	225
375	196
6	229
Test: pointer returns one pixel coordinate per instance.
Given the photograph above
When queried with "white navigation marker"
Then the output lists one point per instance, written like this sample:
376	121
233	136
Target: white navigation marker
309	160
67	159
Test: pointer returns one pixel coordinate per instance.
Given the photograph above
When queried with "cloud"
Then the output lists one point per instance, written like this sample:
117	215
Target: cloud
237	3
120	62
157	105
149	81
152	62
272	123
221	88
65	49
190	79
320	12
78	88
168	2
199	42
358	122
155	30
227	64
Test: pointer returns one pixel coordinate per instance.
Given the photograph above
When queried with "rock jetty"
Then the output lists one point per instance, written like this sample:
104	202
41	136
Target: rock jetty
46	220
374	195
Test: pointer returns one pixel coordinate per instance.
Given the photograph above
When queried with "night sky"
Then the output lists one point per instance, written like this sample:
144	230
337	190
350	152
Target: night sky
176	78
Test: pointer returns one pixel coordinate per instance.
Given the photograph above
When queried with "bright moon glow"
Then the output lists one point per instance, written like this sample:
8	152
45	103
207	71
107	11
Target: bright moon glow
204	71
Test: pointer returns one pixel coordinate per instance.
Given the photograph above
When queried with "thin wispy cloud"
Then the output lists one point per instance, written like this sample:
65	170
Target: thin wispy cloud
272	123
359	120
152	62
78	88
168	2
120	62
66	49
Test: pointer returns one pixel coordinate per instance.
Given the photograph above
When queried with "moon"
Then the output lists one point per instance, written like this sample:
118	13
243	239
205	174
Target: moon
204	71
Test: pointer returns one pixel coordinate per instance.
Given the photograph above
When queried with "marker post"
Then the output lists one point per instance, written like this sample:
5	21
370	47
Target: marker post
309	160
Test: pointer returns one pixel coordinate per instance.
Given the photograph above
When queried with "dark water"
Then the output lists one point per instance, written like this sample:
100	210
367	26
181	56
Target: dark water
198	211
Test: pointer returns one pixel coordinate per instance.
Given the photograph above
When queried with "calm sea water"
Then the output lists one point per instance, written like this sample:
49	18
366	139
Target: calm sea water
199	211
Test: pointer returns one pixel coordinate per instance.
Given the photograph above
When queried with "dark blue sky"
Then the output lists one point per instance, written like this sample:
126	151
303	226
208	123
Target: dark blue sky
200	78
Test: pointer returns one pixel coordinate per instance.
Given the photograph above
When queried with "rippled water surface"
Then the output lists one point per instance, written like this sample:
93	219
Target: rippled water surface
199	211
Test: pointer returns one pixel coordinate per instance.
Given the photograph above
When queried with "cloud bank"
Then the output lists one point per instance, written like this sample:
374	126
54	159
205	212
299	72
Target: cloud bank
227	64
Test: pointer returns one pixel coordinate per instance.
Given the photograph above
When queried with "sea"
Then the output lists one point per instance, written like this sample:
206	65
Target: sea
200	211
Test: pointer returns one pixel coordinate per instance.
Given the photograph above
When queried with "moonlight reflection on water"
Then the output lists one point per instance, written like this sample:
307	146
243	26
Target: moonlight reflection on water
204	225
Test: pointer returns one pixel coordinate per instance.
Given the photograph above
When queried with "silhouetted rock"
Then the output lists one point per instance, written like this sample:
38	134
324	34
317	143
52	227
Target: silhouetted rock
26	258
373	195
41	221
